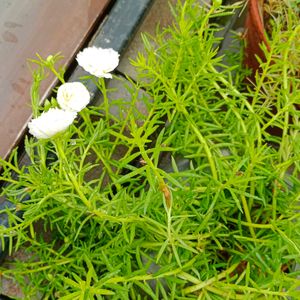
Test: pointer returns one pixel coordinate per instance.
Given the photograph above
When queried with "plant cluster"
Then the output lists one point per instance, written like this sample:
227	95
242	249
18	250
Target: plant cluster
196	199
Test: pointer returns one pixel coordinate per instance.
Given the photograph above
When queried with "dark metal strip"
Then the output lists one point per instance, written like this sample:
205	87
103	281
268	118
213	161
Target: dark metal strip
116	32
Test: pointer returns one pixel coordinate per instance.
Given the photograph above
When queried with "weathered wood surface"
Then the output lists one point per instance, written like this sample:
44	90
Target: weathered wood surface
28	27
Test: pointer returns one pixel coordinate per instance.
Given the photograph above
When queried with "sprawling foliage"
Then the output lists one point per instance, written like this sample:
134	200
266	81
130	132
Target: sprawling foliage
190	197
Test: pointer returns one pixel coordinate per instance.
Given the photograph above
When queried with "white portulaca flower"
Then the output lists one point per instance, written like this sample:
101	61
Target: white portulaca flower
73	96
51	122
98	61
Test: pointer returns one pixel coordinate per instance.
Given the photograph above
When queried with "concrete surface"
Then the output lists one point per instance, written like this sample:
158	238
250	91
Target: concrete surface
159	15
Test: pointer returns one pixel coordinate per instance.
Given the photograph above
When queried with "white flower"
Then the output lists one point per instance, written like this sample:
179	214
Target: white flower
98	61
51	122
73	96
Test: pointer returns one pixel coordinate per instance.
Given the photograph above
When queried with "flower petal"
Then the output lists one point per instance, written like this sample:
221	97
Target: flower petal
51	122
73	96
98	61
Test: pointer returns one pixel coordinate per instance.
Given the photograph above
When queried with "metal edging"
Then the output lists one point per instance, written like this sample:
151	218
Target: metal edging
116	32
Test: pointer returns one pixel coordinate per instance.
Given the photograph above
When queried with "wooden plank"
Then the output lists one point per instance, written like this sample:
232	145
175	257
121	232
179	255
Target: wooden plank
34	26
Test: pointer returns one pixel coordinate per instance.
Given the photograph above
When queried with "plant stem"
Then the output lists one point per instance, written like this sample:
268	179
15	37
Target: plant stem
210	281
60	78
262	226
205	145
247	215
64	161
162	185
105	98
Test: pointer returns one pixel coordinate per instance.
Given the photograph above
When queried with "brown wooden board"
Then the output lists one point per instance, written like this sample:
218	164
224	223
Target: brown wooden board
28	27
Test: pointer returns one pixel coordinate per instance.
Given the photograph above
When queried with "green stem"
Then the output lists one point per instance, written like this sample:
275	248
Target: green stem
99	154
164	189
87	121
210	281
42	155
69	173
35	267
105	98
60	78
205	145
248	216
261	226
162	185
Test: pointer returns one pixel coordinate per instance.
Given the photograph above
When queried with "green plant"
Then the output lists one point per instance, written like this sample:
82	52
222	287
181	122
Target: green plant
224	226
